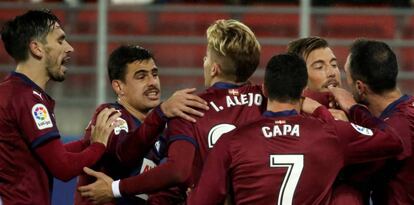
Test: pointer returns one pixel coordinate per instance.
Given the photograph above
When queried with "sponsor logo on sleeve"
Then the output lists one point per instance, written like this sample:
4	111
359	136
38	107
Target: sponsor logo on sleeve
41	116
362	130
122	125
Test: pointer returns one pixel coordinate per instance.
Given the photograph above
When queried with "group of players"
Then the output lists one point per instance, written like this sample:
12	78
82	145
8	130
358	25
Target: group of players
297	139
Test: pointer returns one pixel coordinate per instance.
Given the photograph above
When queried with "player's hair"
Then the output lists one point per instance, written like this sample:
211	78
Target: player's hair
304	46
285	77
123	55
374	63
19	32
235	48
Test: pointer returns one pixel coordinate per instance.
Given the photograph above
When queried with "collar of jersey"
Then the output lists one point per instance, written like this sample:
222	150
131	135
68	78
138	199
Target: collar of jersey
392	106
26	80
223	85
117	105
284	113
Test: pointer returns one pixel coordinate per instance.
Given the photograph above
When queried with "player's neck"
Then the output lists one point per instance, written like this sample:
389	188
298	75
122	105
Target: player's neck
34	71
134	112
378	103
275	106
224	80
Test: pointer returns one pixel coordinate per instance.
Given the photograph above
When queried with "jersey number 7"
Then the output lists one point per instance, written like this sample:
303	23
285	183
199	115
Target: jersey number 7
294	165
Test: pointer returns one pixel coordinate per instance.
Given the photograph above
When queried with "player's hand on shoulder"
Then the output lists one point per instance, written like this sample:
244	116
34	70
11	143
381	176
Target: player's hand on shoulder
309	105
339	114
106	121
183	103
344	99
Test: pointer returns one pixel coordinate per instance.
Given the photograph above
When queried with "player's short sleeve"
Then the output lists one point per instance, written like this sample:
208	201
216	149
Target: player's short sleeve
363	144
180	129
36	119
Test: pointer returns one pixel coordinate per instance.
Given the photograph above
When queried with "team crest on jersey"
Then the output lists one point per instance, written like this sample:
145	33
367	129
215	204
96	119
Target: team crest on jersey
234	92
41	116
122	125
362	130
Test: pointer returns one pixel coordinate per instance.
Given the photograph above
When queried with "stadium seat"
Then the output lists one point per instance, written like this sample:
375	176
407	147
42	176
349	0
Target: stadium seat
353	26
85	53
119	22
408	29
406	58
187	24
178	55
268	51
272	24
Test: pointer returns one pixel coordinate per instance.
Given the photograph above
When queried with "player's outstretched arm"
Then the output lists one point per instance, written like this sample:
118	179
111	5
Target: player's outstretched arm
176	170
65	165
184	104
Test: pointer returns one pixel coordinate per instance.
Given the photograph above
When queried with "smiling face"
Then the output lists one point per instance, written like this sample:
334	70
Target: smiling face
141	87
57	51
322	69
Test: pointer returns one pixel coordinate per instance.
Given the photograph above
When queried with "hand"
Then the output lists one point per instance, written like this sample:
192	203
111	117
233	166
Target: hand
100	191
343	98
105	123
309	105
183	104
339	114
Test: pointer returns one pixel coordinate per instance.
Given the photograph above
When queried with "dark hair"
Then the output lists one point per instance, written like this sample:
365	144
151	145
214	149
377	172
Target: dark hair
304	46
374	63
123	55
19	32
285	77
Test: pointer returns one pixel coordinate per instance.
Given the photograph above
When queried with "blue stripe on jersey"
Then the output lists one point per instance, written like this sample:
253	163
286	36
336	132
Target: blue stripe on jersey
388	110
280	114
185	138
26	80
223	85
40	140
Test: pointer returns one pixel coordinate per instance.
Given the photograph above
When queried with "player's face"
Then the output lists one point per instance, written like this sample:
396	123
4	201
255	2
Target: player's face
208	63
57	51
323	70
351	83
142	85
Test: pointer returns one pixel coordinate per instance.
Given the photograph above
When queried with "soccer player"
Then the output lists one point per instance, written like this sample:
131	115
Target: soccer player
31	152
134	77
287	158
323	70
232	56
371	71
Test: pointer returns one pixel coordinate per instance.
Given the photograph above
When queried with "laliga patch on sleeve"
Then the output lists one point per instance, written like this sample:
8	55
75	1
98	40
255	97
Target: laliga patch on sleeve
122	125
41	116
362	130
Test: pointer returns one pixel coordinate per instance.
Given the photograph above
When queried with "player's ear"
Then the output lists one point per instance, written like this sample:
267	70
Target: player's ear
264	91
118	87
36	49
361	87
215	69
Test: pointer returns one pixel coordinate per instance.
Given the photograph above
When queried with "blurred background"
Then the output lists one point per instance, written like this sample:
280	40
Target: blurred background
174	30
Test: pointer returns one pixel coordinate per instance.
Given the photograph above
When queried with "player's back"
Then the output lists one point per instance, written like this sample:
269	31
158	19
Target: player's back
230	107
394	184
291	159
